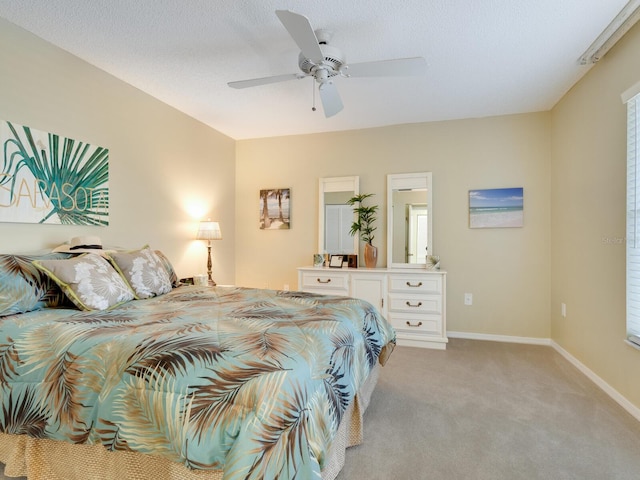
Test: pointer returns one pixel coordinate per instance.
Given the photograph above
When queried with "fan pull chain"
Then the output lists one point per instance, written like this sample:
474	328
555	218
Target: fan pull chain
313	89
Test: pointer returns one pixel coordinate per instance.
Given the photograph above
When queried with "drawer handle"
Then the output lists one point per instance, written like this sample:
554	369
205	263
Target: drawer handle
409	304
323	281
409	324
409	284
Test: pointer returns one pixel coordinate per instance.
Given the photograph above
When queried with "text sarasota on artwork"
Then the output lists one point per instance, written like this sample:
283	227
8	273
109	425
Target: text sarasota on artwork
68	197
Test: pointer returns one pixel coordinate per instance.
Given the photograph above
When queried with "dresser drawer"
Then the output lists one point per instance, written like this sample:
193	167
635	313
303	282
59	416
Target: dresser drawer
431	284
415	304
413	300
321	281
423	324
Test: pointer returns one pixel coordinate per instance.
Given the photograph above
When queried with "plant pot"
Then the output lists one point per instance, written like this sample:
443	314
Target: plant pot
370	255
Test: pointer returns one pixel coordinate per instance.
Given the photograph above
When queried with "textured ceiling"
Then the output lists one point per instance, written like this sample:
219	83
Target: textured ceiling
485	57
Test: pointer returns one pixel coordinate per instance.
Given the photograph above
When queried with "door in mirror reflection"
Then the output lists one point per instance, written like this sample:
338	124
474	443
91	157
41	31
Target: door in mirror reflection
411	226
335	216
417	232
409	222
337	225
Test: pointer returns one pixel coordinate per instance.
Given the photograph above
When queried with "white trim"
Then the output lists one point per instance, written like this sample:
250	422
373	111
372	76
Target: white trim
630	92
604	386
620	25
434	344
608	389
631	344
500	338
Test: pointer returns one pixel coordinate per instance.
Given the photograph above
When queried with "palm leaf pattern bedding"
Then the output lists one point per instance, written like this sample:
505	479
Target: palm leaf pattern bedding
253	382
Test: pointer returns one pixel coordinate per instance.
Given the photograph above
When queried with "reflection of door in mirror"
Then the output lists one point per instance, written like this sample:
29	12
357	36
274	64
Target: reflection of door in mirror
338	217
417	233
335	216
409	229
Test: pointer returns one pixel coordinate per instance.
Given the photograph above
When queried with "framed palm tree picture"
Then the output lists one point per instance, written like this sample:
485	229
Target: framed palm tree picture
275	209
47	178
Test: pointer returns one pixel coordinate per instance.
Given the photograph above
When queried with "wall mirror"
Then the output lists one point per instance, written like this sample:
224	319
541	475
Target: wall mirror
335	216
409	230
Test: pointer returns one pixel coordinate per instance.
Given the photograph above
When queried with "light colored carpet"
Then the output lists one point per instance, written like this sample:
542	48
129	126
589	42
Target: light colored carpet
487	410
491	411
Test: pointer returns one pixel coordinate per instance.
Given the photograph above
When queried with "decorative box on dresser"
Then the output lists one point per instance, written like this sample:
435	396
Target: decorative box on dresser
412	300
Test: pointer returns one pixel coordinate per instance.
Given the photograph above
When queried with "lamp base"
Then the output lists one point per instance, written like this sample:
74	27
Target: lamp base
211	282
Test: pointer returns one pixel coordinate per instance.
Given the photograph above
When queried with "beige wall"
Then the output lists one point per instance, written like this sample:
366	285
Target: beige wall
165	170
507	270
588	219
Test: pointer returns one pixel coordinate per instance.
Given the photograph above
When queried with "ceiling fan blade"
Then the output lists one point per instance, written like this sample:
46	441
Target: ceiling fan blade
254	82
331	101
302	33
386	68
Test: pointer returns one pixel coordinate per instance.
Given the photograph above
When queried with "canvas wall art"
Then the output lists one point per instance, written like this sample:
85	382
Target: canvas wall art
47	178
496	208
275	209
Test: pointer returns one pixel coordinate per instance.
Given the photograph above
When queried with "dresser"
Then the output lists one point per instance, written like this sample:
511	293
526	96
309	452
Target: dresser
412	300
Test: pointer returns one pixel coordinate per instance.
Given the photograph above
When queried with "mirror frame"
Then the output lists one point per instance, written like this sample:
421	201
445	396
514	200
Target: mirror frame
335	184
408	181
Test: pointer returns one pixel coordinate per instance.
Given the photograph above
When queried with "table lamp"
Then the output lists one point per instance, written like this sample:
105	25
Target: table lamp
208	231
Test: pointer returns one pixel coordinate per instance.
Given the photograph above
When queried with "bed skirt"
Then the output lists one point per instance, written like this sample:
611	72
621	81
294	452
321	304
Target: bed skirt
42	459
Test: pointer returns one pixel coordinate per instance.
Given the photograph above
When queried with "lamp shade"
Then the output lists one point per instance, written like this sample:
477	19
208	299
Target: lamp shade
209	230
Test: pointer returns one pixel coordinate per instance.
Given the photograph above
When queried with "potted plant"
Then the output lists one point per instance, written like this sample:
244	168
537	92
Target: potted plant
363	225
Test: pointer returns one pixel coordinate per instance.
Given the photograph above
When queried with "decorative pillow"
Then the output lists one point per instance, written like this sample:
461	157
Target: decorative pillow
144	271
24	288
88	280
173	277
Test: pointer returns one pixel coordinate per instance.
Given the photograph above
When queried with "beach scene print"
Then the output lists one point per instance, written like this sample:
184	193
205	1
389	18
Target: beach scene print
274	209
496	208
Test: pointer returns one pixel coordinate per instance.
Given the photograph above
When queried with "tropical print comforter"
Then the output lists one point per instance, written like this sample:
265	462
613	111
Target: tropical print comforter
252	382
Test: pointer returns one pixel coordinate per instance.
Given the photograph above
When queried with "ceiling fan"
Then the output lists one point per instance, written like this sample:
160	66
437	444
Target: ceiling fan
323	62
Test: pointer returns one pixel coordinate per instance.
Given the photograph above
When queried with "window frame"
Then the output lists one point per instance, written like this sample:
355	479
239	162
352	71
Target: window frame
631	98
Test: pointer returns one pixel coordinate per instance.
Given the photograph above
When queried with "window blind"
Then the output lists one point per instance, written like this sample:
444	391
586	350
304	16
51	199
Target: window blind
633	219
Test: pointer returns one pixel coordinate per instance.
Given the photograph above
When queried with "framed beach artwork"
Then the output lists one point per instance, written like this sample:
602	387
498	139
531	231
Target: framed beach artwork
275	209
496	208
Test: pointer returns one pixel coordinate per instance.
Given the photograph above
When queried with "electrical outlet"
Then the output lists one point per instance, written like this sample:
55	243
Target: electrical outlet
468	298
286	287
563	309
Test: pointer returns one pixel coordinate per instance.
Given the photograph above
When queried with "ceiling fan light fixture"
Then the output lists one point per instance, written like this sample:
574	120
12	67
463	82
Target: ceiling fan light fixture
321	75
321	61
333	58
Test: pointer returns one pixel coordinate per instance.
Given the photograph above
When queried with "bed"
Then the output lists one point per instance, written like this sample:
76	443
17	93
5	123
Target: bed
194	382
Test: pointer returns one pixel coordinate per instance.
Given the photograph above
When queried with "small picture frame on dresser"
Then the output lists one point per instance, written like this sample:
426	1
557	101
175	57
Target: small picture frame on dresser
433	262
352	261
336	261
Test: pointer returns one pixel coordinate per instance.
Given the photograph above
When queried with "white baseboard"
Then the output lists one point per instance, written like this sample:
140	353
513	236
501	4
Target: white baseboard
500	338
608	389
604	386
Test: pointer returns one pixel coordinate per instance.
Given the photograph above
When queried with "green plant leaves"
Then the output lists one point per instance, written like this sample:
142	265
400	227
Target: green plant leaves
366	217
